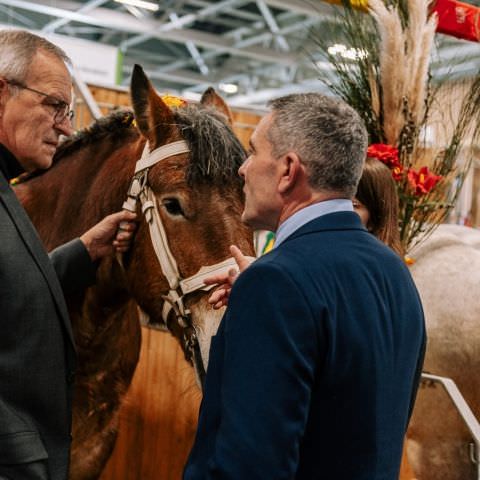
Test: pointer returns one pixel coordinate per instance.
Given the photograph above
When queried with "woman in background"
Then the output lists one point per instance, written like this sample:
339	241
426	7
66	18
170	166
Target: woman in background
376	202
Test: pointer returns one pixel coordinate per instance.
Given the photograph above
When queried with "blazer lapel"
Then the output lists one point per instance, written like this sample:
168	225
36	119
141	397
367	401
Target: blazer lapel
34	245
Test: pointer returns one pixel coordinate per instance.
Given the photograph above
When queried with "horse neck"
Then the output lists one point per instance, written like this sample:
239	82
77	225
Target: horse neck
79	190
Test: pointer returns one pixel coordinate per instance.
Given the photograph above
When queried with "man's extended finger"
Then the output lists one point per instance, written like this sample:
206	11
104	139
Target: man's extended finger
122	216
242	261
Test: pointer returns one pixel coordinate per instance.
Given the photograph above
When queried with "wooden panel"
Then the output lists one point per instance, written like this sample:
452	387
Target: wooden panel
159	417
243	125
109	99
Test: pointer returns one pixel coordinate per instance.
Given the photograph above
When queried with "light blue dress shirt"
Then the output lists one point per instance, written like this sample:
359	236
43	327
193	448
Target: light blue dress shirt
305	215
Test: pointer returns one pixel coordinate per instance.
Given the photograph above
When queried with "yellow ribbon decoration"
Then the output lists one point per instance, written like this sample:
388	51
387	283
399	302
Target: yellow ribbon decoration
173	102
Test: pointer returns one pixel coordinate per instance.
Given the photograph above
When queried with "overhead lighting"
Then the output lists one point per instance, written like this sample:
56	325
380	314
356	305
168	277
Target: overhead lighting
350	53
228	87
140	4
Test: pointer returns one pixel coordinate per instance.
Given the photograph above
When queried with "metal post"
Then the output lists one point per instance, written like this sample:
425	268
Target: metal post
87	96
465	412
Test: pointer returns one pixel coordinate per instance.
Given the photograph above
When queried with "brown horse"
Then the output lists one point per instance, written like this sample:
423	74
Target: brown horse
198	198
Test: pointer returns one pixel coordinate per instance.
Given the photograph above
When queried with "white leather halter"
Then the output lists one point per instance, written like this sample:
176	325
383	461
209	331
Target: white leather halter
140	191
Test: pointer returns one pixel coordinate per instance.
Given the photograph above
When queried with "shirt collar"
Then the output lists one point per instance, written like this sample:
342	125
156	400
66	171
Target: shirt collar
9	165
305	215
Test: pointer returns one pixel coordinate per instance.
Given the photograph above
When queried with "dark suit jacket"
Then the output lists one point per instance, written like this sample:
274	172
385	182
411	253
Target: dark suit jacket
316	362
37	354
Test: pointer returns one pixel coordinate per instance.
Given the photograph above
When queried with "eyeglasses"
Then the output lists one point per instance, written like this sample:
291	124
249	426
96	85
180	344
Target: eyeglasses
62	109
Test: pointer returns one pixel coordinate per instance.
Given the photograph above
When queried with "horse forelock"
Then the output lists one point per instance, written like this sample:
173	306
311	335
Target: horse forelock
216	152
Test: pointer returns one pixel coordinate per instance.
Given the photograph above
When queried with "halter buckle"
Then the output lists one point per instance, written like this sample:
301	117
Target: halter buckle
138	184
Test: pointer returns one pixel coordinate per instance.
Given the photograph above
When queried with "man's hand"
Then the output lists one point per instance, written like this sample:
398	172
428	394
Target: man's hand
114	232
219	297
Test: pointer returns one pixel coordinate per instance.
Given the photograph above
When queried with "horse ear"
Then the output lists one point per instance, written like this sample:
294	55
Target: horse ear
211	98
153	117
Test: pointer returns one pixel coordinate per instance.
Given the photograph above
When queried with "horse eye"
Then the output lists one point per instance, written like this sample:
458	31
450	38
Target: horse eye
173	206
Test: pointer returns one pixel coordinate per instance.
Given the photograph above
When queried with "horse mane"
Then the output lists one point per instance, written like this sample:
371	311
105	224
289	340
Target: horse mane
216	152
114	126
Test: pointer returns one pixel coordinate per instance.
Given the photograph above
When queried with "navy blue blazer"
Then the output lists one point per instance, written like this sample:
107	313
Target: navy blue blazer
315	366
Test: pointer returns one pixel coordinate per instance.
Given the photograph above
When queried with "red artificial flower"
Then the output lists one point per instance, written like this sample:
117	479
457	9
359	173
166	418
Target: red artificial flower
397	173
385	153
422	181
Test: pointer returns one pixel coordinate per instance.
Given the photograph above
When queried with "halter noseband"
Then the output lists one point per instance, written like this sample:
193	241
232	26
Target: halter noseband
140	191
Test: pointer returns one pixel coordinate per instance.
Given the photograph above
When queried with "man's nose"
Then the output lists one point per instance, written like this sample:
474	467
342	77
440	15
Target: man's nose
65	127
241	170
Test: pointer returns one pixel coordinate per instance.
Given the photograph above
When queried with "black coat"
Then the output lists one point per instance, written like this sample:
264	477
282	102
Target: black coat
37	353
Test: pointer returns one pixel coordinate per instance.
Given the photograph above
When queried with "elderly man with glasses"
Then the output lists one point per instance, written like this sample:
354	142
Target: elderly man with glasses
37	358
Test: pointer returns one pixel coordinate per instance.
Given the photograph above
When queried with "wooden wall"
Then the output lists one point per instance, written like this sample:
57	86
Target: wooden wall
159	416
109	99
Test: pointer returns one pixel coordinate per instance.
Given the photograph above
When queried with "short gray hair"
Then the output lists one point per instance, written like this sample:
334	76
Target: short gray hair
17	50
328	135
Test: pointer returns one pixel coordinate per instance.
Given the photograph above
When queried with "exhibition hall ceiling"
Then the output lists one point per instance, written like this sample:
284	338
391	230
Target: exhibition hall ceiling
249	50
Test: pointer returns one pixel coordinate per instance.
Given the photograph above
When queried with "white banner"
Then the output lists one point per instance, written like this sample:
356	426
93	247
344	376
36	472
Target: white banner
96	63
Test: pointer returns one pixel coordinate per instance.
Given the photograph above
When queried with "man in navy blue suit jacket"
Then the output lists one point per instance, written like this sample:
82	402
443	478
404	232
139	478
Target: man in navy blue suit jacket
314	370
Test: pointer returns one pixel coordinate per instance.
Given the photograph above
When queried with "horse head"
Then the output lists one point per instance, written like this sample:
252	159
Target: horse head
190	196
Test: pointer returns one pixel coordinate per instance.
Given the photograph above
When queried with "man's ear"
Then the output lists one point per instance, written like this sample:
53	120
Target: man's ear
292	170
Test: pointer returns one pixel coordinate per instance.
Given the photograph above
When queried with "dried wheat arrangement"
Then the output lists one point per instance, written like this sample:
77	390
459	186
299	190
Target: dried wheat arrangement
388	82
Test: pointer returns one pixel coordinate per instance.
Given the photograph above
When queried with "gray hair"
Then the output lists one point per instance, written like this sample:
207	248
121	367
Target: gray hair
327	134
17	50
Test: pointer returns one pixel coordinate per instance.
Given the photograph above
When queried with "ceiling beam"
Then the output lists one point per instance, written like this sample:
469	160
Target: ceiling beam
179	22
52	26
125	23
253	40
304	7
263	96
272	25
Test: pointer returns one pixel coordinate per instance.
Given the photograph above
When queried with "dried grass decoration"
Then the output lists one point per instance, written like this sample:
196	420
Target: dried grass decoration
386	78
